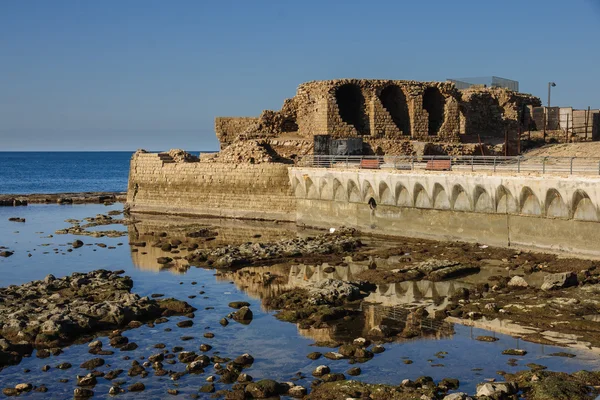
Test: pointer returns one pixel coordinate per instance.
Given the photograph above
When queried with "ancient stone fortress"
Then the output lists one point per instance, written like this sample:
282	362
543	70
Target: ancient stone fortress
390	115
256	176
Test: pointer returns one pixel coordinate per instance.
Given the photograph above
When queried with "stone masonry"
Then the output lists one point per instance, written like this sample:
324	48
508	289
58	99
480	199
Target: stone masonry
395	110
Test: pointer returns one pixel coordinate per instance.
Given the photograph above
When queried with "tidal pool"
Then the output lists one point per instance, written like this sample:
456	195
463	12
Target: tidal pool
279	348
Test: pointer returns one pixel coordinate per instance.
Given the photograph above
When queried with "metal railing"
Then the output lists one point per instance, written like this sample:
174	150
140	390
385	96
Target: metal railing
516	164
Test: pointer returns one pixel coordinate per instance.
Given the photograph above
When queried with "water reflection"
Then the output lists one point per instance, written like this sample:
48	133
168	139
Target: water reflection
156	229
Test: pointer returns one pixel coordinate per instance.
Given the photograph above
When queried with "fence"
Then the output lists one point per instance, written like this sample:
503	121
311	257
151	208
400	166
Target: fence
519	164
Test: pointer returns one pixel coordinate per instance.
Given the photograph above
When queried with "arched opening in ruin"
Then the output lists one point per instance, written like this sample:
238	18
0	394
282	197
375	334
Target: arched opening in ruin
402	196
385	195
339	194
353	192
505	201
289	125
460	201
421	198
440	198
367	190
351	104
434	103
311	189
530	205
555	206
394	101
583	208
482	200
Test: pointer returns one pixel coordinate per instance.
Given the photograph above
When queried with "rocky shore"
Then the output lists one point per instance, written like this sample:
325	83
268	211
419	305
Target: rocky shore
340	242
55	312
62	198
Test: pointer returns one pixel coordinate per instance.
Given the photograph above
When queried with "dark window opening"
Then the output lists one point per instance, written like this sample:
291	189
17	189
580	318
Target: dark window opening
394	101
372	203
434	103
351	104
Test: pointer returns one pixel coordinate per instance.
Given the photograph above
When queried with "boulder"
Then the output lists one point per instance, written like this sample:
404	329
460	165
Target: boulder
558	281
495	388
517	282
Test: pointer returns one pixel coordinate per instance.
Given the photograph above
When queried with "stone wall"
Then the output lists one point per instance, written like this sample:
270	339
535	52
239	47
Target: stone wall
392	109
557	213
255	191
228	129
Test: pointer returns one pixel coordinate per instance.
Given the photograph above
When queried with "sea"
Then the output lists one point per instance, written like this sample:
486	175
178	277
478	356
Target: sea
59	172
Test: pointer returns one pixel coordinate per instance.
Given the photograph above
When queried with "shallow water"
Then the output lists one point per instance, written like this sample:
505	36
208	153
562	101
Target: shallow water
279	348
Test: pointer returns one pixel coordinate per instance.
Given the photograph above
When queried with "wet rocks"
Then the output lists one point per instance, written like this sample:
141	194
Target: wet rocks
264	388
493	389
6	253
514	352
16	219
559	281
243	315
77	244
82	393
239	304
235	256
137	387
314	355
487	338
98	300
321	370
92	364
185	324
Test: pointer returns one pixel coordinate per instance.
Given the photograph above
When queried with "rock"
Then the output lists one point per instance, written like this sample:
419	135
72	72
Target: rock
518	282
514	352
92	364
332	291
77	243
493	389
208	388
205	347
332	355
6	253
558	281
378	349
10	392
87	380
16	219
224	321
380	331
243	315
82	393
487	338
24	387
239	304
333	377
185	324
321	370
457	396
354	371
314	355
263	389
115	390
64	365
244	360
136	387
297	392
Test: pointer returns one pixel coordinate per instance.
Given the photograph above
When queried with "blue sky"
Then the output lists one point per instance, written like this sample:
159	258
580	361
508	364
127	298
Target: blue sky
127	74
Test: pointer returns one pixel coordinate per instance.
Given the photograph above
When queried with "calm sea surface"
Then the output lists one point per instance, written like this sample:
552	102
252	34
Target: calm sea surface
58	172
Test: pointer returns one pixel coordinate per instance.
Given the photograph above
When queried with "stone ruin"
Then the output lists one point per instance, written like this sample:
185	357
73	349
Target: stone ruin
391	116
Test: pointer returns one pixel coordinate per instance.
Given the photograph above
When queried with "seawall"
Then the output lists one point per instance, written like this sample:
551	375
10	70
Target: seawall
253	191
545	212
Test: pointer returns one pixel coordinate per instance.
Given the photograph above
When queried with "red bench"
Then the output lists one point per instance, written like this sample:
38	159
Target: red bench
439	165
370	164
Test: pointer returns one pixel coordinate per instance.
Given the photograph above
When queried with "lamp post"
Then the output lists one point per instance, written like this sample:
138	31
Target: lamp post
550	86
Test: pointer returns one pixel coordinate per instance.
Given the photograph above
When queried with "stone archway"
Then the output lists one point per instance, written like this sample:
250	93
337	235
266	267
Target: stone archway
434	103
394	101
352	107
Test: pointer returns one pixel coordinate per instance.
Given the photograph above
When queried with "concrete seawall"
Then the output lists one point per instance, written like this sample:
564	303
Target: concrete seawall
253	191
545	212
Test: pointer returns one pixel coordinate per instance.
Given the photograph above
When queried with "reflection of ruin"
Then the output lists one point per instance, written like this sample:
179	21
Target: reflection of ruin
431	295
146	228
259	282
